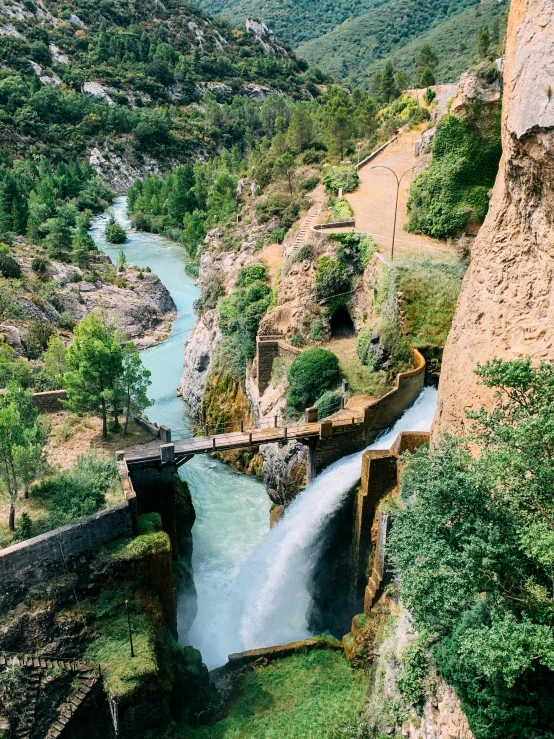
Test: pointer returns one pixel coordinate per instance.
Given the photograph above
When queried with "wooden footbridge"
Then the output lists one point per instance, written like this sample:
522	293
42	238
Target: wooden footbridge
164	450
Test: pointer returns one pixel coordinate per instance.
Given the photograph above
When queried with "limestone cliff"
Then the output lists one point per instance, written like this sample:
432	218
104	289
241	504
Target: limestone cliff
506	307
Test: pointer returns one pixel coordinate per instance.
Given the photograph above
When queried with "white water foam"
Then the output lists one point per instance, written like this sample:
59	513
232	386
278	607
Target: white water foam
271	596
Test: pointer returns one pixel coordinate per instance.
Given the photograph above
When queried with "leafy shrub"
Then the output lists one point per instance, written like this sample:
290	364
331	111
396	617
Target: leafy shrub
24	527
487	71
429	96
212	289
330	402
79	491
38	264
297	339
316	330
36	338
8	266
115	234
277	236
331	280
454	189
411	681
66	321
342	210
356	251
192	269
249	275
302	254
339	177
363	344
311	373
310	183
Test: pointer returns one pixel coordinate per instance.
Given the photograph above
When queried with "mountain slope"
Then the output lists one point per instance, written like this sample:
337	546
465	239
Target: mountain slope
359	46
350	40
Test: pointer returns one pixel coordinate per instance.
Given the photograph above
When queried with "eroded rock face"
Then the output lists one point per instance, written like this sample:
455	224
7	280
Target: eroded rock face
506	306
284	469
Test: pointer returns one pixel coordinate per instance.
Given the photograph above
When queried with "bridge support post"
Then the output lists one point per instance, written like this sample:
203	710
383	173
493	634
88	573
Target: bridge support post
311	461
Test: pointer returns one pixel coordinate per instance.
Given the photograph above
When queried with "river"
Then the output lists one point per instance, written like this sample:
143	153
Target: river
232	510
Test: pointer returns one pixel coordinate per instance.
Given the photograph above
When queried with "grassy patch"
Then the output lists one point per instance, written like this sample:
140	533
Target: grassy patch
429	294
301	697
122	674
154	542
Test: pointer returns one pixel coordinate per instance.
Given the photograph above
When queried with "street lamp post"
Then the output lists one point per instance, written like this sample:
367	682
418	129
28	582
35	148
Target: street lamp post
398	181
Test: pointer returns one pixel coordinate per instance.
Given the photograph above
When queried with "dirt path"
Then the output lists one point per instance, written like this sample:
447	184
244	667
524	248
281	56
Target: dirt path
373	202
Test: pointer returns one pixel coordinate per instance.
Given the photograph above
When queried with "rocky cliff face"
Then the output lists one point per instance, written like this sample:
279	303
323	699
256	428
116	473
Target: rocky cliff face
506	307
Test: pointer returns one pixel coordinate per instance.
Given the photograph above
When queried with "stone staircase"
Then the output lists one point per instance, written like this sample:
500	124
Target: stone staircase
87	680
307	222
87	676
32	680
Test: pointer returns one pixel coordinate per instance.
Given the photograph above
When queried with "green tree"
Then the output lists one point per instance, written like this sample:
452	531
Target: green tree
387	88
21	442
95	361
133	383
473	543
115	233
310	375
427	59
285	166
483	42
337	119
55	361
301	128
57	241
427	78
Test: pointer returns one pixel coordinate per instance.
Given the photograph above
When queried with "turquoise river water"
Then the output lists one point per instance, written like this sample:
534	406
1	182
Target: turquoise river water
232	510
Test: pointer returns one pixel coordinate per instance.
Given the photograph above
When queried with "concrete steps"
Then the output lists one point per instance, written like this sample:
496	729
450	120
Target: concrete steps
87	680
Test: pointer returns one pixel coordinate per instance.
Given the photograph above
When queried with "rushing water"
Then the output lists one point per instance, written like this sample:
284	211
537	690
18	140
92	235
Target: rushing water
252	583
232	510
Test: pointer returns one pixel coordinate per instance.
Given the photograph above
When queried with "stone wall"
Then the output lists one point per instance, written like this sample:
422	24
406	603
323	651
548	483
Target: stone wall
379	478
25	565
50	401
267	349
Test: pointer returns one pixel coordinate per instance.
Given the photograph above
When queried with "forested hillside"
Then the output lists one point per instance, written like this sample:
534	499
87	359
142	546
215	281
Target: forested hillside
351	40
79	74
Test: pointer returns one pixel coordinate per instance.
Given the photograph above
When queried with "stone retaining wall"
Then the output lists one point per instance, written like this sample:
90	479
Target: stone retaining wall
49	401
269	348
37	560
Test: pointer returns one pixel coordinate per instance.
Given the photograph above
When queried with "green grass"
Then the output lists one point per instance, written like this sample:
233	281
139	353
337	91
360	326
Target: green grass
154	542
301	697
430	292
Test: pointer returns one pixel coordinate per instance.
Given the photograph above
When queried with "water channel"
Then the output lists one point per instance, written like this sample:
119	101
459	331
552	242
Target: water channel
252	584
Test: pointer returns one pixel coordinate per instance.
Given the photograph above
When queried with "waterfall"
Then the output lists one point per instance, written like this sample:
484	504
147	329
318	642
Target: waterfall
271	597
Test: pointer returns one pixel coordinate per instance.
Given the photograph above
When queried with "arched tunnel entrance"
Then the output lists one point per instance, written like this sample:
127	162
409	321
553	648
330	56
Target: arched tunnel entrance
341	324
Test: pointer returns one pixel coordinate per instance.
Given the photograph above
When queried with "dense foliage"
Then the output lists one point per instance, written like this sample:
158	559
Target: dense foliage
473	543
78	492
51	206
311	373
240	314
115	233
454	190
116	76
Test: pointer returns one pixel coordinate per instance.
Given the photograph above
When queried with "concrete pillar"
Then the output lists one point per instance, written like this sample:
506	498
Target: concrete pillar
311	462
167	453
311	415
165	434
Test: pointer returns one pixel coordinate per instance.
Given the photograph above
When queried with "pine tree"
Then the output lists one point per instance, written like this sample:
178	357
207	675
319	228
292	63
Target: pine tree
483	42
386	91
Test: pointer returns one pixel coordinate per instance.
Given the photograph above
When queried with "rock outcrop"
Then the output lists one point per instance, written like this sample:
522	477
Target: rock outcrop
506	306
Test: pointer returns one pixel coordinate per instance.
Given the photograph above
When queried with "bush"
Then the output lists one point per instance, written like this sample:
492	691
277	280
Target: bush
454	189
24	527
311	373
8	266
79	491
249	275
297	339
356	250
342	210
277	236
339	177
331	280
38	264
192	269
310	183
330	402
115	234
36	338
429	96
316	330
212	290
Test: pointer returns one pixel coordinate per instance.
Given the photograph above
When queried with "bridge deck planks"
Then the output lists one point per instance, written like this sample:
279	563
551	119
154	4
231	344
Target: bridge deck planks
150	453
